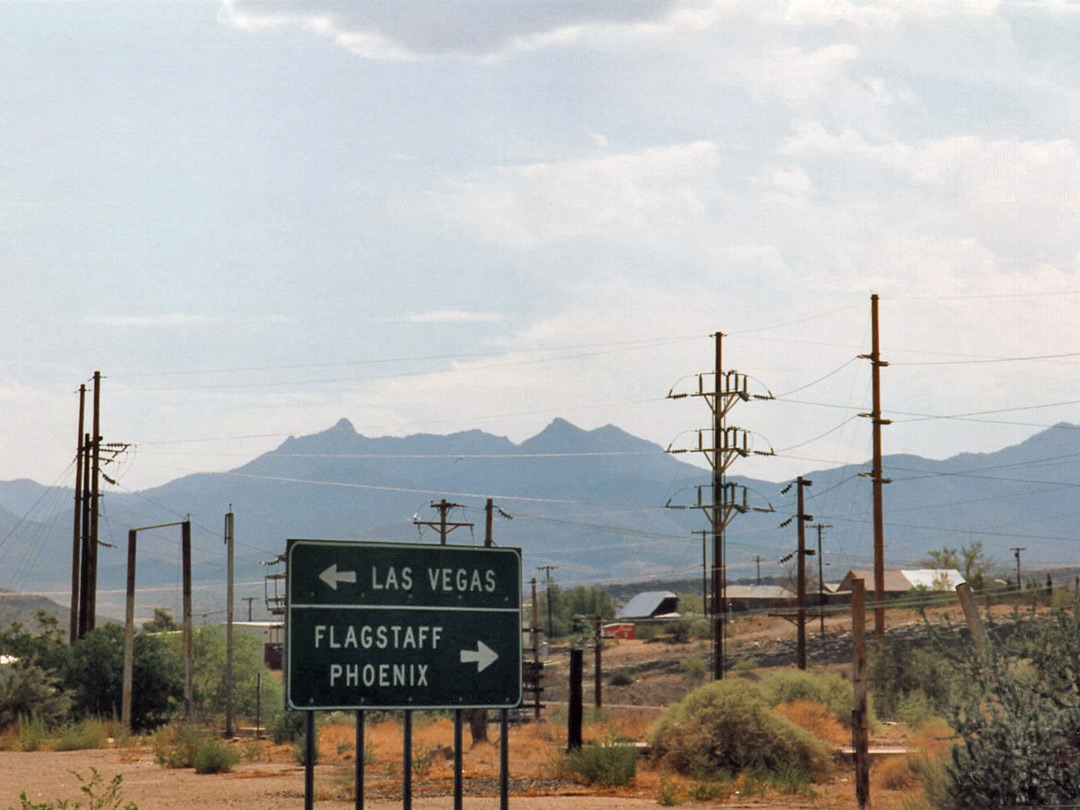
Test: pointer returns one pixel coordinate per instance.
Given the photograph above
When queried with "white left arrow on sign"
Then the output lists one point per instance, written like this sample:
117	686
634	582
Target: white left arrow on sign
332	577
483	656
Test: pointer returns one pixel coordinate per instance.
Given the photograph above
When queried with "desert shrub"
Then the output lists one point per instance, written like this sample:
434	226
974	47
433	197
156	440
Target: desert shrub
610	764
646	632
32	734
1018	719
922	767
175	746
621	678
96	792
816	719
287	727
693	667
745	665
86	734
729	727
913	708
788	685
28	690
299	750
897	673
669	793
214	756
893	773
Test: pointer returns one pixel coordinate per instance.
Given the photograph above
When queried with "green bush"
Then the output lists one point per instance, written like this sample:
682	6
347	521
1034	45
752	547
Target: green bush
611	764
896	673
175	746
287	727
693	667
1019	719
834	691
621	678
33	734
28	690
214	756
84	735
913	709
727	727
299	750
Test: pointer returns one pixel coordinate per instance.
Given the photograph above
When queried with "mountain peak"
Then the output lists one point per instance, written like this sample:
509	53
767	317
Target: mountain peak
343	424
561	435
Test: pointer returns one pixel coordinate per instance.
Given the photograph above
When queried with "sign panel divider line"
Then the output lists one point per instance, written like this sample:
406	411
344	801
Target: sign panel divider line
429	608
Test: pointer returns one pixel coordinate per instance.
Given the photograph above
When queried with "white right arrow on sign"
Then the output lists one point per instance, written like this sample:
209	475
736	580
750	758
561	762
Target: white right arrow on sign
483	656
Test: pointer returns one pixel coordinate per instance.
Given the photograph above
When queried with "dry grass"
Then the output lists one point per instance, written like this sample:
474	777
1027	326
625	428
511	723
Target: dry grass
816	719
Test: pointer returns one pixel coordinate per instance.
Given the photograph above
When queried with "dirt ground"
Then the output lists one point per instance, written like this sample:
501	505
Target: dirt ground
47	776
268	776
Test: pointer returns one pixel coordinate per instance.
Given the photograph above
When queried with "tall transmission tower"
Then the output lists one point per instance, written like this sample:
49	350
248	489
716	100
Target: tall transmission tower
724	445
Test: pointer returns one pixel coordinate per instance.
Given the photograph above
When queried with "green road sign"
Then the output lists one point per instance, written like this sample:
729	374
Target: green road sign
401	626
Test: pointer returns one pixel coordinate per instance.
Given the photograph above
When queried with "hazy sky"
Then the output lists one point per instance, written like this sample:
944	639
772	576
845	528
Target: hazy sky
255	218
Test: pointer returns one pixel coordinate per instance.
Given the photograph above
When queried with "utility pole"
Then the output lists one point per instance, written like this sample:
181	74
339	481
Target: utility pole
229	623
757	561
802	520
704	571
1016	551
727	444
547	569
719	572
90	620
876	477
821	577
76	525
249	600
442	525
85	539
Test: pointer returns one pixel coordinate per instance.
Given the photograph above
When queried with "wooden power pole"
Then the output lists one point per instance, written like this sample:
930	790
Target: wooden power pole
76	524
801	519
876	476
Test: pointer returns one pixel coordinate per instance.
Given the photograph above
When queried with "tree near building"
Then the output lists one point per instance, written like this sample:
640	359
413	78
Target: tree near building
94	675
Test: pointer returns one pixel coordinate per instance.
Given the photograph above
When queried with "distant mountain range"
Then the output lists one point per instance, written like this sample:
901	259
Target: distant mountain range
592	503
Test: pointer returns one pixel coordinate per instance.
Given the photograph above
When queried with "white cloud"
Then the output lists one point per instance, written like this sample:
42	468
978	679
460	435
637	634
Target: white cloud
597	138
800	75
885	13
445	316
151	321
652	190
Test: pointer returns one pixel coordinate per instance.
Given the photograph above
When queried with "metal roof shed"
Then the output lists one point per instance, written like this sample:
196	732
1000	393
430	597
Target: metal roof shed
650	605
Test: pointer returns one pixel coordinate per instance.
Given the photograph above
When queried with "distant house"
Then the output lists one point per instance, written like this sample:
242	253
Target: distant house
900	581
651	605
758	597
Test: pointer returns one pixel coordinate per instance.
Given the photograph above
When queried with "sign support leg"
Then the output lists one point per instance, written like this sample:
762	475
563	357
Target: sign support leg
406	767
574	711
360	759
309	763
504	759
458	791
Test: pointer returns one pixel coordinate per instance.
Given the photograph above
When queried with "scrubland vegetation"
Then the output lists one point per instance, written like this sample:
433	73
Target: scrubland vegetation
982	729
